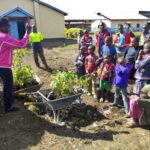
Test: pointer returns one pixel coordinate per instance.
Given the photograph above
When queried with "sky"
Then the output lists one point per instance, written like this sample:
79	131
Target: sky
76	7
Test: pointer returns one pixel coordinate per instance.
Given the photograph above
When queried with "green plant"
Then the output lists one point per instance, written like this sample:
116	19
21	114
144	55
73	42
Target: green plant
22	74
62	81
137	34
72	32
83	82
65	82
33	108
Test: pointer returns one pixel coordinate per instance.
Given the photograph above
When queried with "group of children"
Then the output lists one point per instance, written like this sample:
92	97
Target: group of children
110	69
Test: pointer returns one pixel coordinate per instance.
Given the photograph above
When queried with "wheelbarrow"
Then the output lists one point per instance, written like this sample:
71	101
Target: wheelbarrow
54	105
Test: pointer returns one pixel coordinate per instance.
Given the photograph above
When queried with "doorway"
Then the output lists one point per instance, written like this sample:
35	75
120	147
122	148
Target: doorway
21	28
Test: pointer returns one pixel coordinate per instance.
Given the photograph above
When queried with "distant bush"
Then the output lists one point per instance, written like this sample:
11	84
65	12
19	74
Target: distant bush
72	33
137	34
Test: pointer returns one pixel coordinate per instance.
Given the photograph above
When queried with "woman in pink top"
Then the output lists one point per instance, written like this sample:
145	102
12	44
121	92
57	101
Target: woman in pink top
7	44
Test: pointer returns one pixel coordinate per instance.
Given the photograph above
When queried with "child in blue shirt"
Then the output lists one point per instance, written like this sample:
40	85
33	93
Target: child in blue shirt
120	41
131	53
122	71
109	49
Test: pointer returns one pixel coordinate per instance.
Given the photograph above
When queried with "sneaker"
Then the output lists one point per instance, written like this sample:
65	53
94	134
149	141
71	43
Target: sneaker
12	109
89	94
95	97
101	100
106	101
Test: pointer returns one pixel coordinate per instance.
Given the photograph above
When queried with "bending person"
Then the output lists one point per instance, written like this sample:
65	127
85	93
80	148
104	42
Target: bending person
140	108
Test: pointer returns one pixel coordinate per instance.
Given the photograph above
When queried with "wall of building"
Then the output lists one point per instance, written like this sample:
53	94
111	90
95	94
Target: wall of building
7	5
48	21
51	23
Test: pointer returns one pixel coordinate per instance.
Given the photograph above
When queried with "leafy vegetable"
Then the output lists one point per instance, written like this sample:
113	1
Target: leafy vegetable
22	74
65	82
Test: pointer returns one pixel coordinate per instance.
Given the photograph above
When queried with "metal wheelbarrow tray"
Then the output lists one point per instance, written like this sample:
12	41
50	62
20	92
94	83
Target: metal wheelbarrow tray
55	105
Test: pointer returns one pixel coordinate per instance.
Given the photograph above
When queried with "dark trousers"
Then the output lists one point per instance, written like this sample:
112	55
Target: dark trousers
42	57
38	52
7	78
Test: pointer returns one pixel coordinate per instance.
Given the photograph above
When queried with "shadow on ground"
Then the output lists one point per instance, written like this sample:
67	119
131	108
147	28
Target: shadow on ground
20	130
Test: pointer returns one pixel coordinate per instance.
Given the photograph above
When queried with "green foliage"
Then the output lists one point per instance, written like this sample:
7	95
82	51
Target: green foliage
137	34
72	32
83	82
33	108
22	74
64	82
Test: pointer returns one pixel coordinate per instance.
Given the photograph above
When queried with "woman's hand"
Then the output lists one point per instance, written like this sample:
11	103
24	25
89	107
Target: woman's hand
29	28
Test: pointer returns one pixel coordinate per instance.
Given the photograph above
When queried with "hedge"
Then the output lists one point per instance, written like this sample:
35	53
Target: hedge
72	33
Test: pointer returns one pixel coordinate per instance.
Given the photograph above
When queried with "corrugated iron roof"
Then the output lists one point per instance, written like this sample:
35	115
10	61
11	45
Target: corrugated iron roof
52	7
107	15
124	15
83	16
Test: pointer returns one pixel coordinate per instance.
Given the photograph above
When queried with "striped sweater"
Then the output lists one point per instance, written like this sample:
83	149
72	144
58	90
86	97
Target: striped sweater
142	67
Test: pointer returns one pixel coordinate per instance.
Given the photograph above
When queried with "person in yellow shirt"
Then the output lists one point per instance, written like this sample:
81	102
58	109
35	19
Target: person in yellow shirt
35	39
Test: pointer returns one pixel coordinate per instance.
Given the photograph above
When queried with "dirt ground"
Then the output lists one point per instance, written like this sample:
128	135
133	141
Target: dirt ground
24	130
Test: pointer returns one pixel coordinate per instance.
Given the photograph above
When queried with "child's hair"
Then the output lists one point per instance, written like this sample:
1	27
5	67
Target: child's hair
81	32
3	22
120	60
102	24
91	47
131	34
109	38
86	31
135	40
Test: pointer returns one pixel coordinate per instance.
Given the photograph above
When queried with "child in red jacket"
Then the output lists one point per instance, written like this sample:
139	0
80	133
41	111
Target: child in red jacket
91	69
106	75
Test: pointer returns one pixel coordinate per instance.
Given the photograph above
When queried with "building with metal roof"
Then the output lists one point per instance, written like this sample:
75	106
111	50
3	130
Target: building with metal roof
48	19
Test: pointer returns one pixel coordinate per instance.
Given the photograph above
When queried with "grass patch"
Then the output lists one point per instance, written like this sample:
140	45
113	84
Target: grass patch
71	46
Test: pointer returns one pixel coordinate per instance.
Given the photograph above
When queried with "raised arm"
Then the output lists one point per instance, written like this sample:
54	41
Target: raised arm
14	43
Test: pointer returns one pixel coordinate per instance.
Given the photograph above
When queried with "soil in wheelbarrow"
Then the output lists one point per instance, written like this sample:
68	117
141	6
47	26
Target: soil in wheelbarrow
25	130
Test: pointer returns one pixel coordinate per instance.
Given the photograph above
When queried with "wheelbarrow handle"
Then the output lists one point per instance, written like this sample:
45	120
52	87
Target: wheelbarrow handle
34	103
24	93
28	103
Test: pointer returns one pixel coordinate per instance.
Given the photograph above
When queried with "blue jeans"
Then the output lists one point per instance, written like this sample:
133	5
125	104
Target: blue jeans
7	77
123	92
